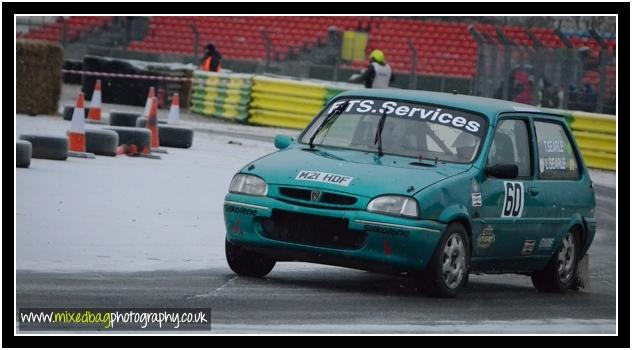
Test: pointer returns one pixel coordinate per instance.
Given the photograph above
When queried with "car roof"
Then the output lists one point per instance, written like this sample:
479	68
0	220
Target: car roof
490	107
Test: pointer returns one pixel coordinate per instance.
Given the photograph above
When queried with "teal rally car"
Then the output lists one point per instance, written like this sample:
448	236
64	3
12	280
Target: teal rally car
431	185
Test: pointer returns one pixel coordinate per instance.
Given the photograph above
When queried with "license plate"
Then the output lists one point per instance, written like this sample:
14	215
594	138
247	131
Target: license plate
335	179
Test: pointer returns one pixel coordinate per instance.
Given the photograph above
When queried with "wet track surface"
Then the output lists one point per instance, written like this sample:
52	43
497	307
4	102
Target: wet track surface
298	297
150	233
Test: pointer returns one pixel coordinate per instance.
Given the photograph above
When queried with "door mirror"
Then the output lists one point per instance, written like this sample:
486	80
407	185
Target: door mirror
502	171
282	141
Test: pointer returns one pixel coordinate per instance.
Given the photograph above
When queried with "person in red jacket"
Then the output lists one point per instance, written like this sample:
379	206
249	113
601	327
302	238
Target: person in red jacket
211	62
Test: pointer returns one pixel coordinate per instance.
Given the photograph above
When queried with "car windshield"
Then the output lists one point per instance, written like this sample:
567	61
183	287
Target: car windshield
409	129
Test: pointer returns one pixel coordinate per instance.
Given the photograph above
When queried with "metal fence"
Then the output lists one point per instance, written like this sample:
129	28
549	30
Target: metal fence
566	78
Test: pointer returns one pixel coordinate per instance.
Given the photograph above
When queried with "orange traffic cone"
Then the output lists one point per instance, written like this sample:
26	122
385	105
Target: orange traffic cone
95	103
174	112
152	123
77	132
152	94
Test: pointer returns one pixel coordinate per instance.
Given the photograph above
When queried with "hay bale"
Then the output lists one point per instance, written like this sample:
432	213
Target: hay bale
38	76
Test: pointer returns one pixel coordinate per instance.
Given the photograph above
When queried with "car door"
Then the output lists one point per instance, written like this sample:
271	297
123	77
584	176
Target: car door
559	177
509	214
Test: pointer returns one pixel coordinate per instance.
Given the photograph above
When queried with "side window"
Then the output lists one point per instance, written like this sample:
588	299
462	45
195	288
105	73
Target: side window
557	159
511	146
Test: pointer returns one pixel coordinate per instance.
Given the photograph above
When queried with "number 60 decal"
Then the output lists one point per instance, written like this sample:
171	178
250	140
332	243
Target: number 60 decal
514	200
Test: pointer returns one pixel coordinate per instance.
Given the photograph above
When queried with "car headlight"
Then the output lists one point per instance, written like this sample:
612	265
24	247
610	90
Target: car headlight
248	184
394	205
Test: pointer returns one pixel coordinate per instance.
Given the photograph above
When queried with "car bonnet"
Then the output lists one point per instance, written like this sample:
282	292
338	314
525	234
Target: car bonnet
356	172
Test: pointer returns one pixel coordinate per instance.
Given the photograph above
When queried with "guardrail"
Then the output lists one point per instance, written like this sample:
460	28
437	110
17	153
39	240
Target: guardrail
290	103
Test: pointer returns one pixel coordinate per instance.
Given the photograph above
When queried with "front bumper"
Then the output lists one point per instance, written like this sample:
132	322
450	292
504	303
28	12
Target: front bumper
388	244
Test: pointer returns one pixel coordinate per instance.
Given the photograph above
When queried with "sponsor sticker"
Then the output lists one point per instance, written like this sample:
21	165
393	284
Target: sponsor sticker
528	246
546	243
467	122
477	200
386	231
556	155
238	210
335	179
487	237
514	200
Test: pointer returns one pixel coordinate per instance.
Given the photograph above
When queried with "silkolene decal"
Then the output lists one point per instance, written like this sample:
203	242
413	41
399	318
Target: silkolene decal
469	123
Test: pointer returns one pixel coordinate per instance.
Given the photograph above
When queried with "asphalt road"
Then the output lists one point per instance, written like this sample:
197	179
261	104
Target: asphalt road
110	247
298	297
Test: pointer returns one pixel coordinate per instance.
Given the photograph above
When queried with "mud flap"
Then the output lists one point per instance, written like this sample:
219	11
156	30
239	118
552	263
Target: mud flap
583	273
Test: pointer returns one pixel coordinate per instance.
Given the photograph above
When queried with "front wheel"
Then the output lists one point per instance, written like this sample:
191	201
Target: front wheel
561	272
448	270
247	263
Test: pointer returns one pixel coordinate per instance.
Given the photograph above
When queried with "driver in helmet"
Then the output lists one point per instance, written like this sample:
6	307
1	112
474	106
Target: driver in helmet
465	145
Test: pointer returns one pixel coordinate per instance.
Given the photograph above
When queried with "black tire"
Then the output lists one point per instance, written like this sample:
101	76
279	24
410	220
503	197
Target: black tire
140	137
47	147
175	136
247	263
170	135
102	142
433	282
68	110
555	277
123	118
23	151
141	122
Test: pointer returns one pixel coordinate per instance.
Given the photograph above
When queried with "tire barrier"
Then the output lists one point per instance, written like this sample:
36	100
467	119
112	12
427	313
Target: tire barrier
175	136
123	118
138	138
221	95
170	135
47	147
102	142
285	103
69	110
128	80
141	122
291	103
262	100
597	139
23	153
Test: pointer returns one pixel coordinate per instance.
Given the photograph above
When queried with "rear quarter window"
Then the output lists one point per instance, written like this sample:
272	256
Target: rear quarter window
557	158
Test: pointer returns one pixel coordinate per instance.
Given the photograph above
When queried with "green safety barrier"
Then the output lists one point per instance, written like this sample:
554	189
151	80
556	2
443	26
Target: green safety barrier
290	103
222	95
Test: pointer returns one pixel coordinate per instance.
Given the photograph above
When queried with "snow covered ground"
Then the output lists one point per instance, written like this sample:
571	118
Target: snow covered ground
144	232
126	213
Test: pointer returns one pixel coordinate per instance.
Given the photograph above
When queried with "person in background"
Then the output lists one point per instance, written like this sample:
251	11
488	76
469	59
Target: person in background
377	75
211	62
589	98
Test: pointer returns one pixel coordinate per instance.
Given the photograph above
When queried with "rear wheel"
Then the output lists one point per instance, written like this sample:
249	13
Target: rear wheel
448	269
561	272
247	263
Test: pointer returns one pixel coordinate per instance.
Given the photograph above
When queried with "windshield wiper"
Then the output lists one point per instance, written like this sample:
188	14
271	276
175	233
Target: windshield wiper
328	118
378	134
